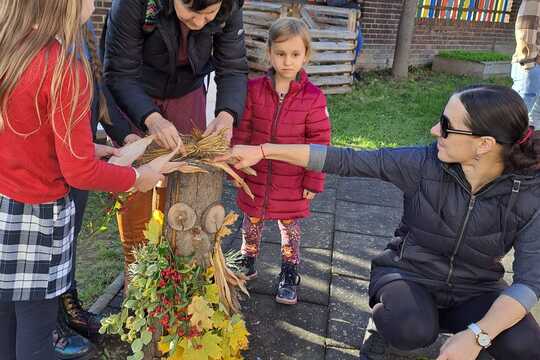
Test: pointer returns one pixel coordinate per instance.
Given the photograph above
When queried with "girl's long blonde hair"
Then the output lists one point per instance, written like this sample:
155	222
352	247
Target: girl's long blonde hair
28	26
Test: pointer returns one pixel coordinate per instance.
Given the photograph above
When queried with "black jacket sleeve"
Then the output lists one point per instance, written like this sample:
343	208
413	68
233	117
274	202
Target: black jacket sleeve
231	66
120	127
123	59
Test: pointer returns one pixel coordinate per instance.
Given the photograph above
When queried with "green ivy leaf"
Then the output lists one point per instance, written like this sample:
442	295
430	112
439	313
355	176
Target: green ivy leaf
130	304
138	355
146	337
136	346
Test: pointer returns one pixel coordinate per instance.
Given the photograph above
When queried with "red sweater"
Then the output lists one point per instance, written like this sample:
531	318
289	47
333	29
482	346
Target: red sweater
38	166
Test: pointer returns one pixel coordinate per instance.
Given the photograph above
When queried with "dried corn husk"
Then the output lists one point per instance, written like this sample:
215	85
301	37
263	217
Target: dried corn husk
131	152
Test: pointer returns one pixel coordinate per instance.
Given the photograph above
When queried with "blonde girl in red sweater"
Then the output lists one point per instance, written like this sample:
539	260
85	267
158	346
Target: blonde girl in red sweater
46	147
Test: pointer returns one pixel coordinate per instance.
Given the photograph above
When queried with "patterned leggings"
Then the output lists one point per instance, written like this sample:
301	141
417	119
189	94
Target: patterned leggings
290	238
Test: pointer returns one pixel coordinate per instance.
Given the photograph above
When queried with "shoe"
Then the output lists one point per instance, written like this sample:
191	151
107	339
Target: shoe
80	320
287	292
247	267
70	345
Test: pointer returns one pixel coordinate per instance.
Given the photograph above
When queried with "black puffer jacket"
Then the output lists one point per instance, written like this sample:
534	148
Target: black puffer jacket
140	64
450	240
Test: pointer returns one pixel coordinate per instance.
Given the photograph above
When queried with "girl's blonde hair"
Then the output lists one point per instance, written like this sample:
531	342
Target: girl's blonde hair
97	68
28	26
285	28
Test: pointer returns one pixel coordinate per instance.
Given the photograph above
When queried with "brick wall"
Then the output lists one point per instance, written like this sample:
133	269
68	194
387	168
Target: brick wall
380	21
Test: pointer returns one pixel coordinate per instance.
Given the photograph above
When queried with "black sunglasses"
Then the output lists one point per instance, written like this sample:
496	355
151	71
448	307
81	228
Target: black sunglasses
446	129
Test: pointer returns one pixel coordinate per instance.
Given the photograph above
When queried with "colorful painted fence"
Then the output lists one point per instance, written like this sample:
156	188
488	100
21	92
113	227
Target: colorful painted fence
466	10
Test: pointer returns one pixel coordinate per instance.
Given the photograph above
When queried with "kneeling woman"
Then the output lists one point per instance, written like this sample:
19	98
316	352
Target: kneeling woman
468	200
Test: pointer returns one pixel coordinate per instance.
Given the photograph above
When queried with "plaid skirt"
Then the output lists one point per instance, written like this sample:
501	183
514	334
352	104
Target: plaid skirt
36	249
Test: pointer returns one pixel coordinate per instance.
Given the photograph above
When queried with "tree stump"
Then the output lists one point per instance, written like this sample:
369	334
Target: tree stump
193	214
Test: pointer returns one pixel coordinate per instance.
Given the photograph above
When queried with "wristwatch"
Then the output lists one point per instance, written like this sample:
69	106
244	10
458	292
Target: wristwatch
482	338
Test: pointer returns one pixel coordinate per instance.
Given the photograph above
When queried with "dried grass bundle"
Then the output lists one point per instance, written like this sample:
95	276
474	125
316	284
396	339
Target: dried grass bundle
197	147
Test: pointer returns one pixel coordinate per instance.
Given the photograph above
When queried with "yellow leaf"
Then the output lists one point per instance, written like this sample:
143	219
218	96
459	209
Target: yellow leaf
205	348
178	354
212	293
163	346
209	273
238	337
201	313
220	320
154	227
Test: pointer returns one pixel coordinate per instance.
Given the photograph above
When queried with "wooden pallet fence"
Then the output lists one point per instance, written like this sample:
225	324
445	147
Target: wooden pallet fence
333	31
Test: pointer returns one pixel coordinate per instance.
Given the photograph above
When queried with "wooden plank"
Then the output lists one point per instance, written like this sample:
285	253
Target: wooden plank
323	20
255	31
259	21
330	10
307	19
255	44
352	23
262	6
332	57
332	80
333	34
329	69
346	89
256	66
333	46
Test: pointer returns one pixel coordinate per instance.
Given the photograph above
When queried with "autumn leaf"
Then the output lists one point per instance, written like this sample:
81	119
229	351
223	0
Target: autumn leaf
154	227
220	320
212	293
163	346
205	348
201	313
238	336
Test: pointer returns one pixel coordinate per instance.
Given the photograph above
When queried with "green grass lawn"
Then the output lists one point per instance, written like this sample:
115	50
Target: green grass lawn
380	112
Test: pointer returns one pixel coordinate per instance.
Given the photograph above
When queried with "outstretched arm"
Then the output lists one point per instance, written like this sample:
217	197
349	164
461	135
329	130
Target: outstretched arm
400	166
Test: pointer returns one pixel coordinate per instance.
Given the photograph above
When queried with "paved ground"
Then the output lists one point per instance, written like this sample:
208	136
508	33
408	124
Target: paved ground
351	222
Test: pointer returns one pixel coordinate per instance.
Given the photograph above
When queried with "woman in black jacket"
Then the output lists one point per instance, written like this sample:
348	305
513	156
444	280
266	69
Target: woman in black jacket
157	54
468	200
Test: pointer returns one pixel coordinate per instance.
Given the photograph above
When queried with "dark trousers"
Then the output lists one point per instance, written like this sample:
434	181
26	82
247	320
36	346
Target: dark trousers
80	198
407	317
26	329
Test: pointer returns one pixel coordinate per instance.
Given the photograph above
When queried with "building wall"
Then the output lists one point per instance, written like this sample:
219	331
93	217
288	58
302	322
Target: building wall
380	21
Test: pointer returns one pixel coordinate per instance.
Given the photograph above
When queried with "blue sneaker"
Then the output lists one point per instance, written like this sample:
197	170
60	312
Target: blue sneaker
70	345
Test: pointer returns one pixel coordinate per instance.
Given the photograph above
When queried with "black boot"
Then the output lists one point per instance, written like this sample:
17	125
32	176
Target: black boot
287	292
247	267
80	320
68	344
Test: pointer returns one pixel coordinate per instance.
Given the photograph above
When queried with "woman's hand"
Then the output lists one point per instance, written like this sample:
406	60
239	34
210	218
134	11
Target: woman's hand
461	346
243	156
148	178
104	151
309	195
131	138
166	134
223	120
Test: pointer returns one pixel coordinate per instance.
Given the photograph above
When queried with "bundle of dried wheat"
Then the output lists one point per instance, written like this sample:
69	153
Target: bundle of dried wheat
200	152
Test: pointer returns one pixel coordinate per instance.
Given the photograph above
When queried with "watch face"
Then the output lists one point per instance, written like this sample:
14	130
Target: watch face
484	340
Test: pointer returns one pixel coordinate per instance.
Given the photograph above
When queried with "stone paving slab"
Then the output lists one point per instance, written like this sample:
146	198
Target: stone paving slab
325	201
333	353
284	332
348	312
366	219
317	231
370	191
314	269
353	253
